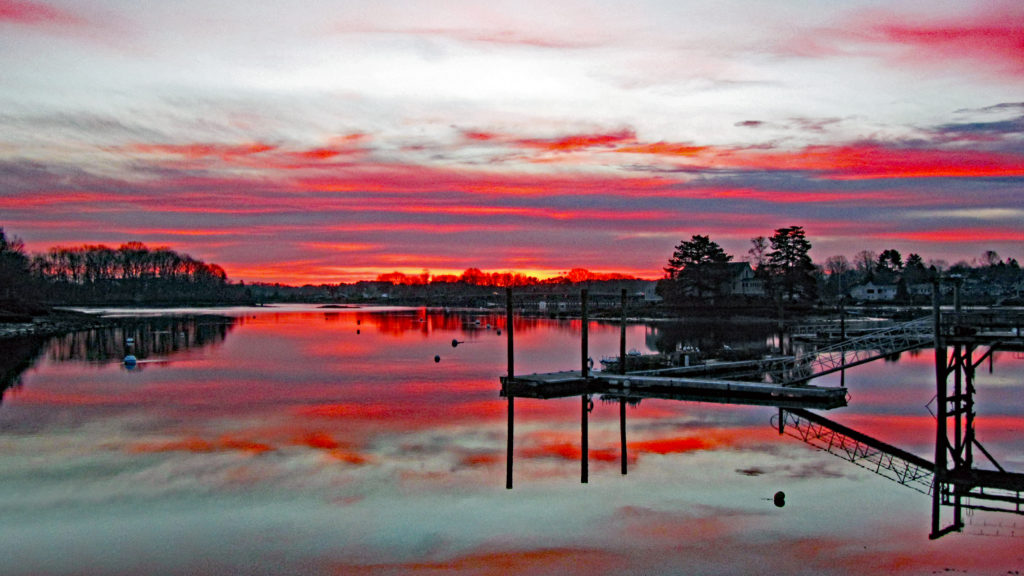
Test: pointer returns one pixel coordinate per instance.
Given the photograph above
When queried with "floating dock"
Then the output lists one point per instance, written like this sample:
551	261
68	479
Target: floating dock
573	383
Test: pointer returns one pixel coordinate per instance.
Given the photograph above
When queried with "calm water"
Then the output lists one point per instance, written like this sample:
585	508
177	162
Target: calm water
307	441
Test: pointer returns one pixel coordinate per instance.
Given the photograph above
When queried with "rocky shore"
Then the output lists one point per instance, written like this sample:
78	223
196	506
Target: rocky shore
54	323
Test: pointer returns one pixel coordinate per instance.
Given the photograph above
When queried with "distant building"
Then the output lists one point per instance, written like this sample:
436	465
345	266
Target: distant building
872	292
743	281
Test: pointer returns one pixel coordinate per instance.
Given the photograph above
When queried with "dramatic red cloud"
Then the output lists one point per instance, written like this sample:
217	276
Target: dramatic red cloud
424	179
24	12
196	151
862	161
803	197
53	198
665	149
995	37
580	141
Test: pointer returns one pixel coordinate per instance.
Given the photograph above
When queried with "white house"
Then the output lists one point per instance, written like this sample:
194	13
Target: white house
873	292
743	281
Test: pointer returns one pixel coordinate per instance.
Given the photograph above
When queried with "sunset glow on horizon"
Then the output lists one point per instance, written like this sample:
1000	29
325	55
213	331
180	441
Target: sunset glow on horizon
299	143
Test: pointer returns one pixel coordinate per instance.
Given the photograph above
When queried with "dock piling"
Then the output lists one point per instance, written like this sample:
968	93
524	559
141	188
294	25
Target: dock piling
622	370
584	413
508	388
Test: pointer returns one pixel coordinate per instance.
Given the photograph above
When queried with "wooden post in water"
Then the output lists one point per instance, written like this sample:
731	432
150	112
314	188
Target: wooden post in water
508	387
842	338
622	370
584	415
622	336
941	371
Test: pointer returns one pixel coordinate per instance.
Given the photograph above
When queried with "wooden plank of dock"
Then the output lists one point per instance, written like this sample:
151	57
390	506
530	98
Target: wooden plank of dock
572	382
720	386
713	367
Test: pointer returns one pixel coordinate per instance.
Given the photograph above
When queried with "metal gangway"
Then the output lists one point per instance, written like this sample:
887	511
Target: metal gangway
874	455
852	352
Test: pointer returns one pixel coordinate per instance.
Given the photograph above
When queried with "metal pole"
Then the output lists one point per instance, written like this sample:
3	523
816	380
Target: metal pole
622	336
941	372
584	415
508	332
622	370
508	388
583	334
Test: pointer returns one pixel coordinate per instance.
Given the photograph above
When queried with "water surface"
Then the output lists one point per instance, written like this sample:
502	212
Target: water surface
329	441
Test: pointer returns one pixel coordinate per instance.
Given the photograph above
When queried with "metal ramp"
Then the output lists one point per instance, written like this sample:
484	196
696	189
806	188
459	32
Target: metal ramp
853	352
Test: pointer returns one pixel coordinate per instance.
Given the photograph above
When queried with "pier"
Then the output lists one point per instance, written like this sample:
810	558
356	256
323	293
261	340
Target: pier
963	342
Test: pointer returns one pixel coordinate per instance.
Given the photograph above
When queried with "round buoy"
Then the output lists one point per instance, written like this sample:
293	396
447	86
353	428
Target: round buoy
779	499
499	332
130	361
437	358
359	331
455	342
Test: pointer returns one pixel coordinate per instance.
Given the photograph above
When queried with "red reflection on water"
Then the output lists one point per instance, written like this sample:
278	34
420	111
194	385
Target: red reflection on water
502	563
199	445
567	451
675	445
338	450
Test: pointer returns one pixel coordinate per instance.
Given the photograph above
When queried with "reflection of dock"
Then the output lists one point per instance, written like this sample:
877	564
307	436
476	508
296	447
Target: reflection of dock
961	488
869	453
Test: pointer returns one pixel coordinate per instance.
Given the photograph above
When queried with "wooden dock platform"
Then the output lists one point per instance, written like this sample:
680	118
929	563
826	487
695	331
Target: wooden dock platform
573	383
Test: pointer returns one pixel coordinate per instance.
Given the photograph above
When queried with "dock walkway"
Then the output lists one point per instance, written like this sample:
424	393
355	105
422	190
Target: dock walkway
573	383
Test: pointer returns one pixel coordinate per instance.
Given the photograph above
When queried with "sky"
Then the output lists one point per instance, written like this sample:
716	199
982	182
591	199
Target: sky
310	142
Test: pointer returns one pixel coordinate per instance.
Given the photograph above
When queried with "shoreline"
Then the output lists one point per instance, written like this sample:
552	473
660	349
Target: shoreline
55	323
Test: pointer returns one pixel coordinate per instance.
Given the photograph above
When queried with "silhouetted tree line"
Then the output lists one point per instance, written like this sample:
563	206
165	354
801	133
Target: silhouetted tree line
97	274
700	272
130	273
987	279
19	293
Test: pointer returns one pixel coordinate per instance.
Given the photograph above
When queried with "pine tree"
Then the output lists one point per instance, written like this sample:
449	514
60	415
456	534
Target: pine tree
698	267
791	267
